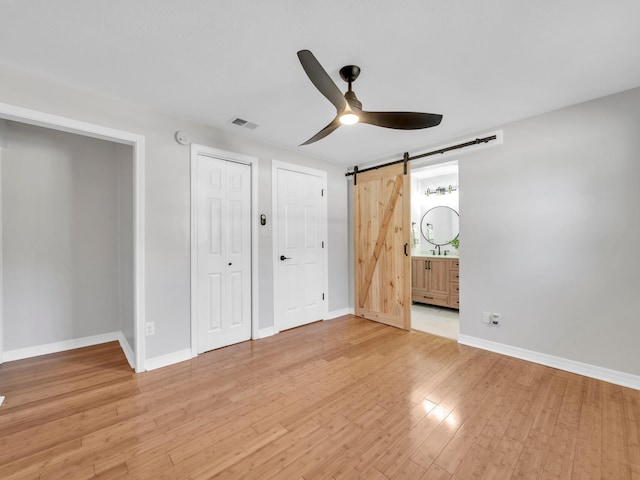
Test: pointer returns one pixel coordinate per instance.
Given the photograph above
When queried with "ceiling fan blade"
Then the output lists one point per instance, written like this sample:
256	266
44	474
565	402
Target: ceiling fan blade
324	132
401	120
321	79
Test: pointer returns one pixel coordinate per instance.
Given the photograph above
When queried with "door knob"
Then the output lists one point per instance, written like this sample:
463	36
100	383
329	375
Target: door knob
282	257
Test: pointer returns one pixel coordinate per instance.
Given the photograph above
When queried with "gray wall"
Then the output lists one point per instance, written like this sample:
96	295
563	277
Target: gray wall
167	198
124	226
3	132
60	236
550	233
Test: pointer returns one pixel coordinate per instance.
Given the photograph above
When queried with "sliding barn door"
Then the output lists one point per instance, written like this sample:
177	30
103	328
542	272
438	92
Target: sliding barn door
382	262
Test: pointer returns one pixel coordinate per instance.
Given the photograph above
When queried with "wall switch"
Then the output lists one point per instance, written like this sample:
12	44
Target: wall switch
486	318
149	328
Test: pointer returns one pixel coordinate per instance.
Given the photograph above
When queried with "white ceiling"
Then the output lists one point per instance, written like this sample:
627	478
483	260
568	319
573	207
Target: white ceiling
479	63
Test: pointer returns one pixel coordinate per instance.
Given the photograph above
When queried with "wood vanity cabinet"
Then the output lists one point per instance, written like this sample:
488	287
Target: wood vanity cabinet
435	281
454	283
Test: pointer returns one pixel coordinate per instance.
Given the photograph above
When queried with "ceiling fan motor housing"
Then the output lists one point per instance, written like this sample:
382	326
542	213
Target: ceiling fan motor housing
350	73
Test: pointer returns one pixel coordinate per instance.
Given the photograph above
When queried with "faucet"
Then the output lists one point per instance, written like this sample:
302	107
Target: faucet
438	249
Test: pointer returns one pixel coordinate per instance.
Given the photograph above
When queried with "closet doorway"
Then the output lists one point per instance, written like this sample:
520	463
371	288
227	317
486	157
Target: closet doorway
72	244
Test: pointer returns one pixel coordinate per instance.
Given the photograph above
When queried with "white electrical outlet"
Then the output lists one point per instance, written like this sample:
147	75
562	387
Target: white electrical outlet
486	318
149	328
495	318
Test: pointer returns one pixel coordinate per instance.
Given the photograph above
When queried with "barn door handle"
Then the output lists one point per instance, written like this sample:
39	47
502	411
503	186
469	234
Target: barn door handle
405	249
283	258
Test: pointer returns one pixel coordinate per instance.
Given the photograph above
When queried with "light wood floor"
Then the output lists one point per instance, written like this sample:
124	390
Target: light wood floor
343	399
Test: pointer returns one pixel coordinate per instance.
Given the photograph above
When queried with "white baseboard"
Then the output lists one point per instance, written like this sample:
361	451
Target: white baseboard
339	313
168	359
128	351
592	371
28	352
265	332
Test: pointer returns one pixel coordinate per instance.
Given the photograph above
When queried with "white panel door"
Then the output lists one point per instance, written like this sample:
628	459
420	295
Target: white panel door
224	253
300	239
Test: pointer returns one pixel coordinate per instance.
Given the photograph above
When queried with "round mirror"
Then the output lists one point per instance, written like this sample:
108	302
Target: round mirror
440	225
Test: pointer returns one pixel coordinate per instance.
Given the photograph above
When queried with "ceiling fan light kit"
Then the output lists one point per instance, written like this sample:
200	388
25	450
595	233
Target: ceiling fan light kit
349	118
349	108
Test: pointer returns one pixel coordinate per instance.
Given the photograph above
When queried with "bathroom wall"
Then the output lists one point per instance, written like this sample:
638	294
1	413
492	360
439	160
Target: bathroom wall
421	203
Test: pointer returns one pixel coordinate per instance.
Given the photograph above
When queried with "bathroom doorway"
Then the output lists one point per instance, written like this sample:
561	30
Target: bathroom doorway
435	212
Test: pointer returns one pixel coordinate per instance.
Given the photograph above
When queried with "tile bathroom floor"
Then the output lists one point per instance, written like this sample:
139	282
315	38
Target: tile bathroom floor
440	321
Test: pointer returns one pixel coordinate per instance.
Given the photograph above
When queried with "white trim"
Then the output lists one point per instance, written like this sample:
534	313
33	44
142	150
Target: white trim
266	332
64	124
55	347
127	350
339	313
168	359
275	166
585	369
253	163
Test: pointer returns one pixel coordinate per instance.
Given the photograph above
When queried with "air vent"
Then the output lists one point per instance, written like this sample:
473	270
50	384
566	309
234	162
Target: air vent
244	123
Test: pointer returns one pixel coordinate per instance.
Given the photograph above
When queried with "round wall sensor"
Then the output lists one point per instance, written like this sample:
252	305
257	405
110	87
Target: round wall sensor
182	138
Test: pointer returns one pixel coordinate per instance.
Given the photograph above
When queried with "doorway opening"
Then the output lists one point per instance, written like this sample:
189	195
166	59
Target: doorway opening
72	246
435	210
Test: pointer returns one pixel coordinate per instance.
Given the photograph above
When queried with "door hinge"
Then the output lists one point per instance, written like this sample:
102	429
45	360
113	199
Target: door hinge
322	244
323	296
322	192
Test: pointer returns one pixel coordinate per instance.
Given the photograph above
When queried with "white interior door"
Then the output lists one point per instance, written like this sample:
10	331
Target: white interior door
300	241
224	253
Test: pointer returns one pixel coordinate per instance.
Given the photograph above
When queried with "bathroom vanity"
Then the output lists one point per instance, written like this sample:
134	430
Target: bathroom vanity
435	277
435	280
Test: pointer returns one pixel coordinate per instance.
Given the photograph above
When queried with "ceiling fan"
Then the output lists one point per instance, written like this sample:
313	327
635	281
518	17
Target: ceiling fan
349	108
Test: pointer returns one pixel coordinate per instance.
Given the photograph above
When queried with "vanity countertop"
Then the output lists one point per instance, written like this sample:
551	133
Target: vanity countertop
428	255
